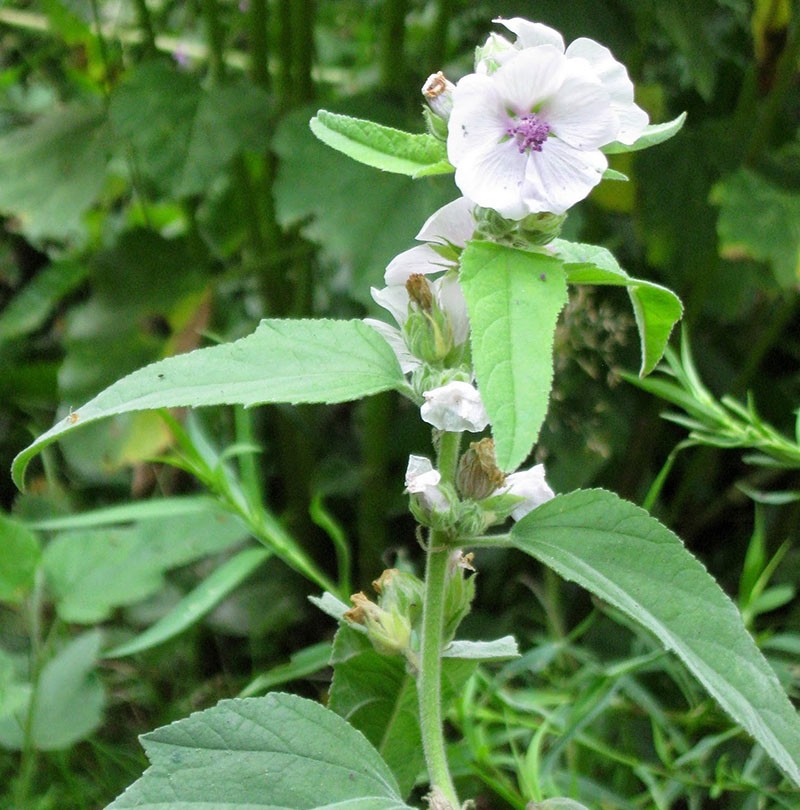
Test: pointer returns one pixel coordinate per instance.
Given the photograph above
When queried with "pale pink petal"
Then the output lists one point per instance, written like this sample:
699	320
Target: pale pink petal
580	113
421	259
530	34
393	298
479	118
559	176
494	179
452	224
530	78
632	119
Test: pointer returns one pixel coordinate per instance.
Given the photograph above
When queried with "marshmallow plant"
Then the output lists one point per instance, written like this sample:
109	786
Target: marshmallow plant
468	339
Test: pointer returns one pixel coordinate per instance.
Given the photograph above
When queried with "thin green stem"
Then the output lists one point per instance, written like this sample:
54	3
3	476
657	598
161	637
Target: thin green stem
429	680
146	26
259	43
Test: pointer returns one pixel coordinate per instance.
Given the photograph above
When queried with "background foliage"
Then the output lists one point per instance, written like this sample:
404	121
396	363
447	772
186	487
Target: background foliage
160	190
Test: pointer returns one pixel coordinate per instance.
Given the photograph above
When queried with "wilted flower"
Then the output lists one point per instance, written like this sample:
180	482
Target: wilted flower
525	130
454	407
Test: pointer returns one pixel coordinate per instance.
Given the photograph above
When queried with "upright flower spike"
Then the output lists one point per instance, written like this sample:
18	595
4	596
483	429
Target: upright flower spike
526	129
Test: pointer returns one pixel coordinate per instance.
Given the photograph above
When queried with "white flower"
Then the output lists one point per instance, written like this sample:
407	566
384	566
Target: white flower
451	226
423	480
530	485
526	129
454	407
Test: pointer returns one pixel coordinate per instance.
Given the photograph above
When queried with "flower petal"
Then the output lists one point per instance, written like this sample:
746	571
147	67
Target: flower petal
395	299
451	299
581	113
420	474
529	484
632	118
479	118
530	34
393	337
452	224
420	259
560	176
530	78
454	407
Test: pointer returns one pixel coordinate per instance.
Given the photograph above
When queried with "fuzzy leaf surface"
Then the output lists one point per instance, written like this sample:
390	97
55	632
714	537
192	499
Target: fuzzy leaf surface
382	147
620	553
294	361
514	298
279	752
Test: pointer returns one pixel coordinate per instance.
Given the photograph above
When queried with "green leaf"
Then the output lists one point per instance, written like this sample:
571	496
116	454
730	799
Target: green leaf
282	361
627	558
69	700
31	306
92	572
19	558
376	695
655	308
280	752
514	298
382	147
52	171
184	135
653	134
204	598
759	220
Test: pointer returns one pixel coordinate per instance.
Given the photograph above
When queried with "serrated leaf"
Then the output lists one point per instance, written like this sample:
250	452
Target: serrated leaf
626	557
382	147
279	752
19	558
655	308
295	361
514	298
68	703
653	134
79	566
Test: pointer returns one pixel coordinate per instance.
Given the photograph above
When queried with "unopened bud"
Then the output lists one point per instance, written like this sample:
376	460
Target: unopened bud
419	291
478	475
389	631
438	92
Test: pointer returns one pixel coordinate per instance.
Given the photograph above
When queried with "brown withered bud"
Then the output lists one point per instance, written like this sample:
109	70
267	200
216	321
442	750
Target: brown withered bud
419	291
478	475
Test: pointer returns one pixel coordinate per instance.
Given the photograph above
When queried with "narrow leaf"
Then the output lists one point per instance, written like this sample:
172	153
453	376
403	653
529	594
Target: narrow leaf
382	147
279	752
206	596
514	298
655	308
627	558
282	361
653	134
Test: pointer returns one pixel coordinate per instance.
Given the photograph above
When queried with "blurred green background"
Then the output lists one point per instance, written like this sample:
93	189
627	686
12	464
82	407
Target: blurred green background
160	190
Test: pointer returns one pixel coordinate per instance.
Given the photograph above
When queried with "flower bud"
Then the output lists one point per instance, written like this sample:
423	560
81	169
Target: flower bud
455	407
533	231
478	475
438	92
428	331
400	592
389	631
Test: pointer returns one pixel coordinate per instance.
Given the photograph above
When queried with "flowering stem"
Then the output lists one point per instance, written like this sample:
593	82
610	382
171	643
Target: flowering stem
429	681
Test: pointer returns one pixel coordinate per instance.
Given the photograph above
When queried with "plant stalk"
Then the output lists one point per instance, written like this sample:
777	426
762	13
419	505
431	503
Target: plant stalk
429	679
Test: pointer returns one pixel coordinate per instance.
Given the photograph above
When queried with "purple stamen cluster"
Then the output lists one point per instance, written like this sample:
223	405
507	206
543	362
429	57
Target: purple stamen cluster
530	132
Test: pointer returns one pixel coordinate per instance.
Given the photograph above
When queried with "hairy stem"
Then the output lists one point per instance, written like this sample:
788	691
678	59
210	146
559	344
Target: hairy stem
429	680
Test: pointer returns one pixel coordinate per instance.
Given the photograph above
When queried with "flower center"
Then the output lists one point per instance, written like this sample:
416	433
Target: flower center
529	131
